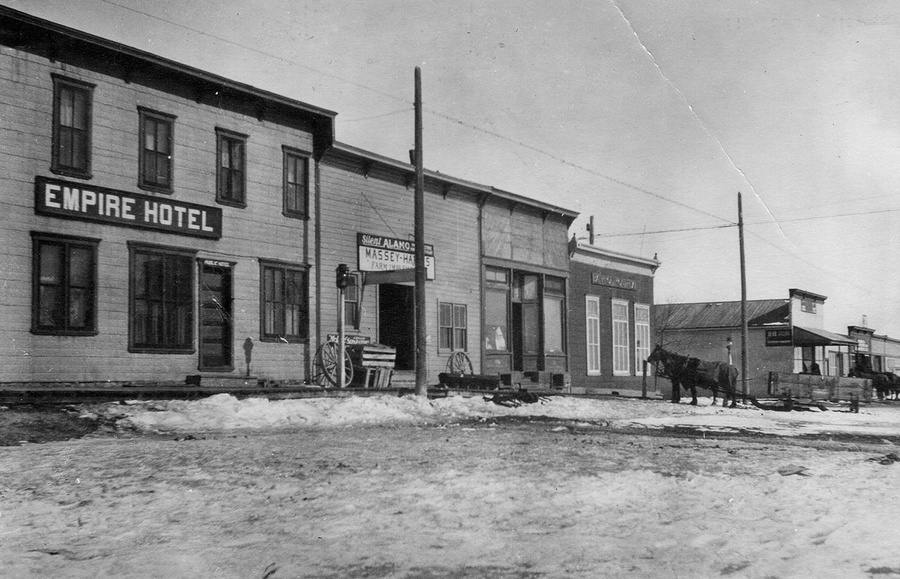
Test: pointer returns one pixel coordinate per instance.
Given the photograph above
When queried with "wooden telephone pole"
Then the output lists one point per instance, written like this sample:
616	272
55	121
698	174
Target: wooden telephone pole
421	346
744	363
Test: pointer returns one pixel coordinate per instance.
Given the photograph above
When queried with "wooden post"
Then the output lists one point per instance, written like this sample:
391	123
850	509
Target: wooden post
421	334
341	346
744	362
644	382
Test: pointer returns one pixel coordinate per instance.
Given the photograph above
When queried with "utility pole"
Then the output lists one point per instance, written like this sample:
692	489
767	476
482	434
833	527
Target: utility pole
744	362
421	346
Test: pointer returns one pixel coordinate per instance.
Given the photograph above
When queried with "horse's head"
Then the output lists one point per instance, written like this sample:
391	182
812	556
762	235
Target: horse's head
656	355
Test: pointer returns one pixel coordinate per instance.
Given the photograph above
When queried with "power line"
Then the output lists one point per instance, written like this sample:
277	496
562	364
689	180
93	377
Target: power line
430	111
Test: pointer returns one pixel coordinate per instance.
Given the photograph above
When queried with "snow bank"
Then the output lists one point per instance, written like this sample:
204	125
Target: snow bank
225	412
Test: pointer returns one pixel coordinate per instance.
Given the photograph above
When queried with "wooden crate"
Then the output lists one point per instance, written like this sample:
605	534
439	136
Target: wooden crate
373	364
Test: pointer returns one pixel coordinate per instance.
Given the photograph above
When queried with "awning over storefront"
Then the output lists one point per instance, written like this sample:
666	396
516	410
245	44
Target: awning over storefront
819	337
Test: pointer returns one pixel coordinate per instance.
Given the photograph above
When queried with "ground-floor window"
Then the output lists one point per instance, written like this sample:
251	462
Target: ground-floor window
351	302
592	338
554	315
64	287
641	335
496	310
453	326
285	309
621	347
161	313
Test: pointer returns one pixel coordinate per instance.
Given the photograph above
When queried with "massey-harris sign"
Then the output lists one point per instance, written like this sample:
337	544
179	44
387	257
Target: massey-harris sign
377	253
88	203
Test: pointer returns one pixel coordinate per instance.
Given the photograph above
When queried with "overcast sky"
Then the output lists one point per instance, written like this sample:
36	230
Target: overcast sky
649	115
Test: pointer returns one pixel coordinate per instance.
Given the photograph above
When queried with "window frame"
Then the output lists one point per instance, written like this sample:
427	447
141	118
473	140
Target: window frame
57	164
353	307
620	342
553	302
225	137
304	321
67	242
188	265
291	154
457	332
596	344
145	115
497	283
638	331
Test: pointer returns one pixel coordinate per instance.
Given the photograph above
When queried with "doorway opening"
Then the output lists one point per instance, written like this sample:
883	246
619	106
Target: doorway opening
397	322
216	328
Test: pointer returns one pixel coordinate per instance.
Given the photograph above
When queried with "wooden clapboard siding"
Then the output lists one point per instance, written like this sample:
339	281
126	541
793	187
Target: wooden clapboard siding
382	204
259	230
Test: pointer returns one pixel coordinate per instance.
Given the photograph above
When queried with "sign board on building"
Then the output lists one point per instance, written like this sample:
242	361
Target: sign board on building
779	337
350	339
862	346
378	253
612	280
58	198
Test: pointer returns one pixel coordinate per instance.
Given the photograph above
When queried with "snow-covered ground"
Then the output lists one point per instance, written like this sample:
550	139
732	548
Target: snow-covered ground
388	486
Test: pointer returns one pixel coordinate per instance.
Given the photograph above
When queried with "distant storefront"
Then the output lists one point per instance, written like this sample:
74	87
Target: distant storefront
784	335
611	326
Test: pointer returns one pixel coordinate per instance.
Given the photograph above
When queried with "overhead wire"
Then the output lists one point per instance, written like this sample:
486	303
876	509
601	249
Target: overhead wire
434	112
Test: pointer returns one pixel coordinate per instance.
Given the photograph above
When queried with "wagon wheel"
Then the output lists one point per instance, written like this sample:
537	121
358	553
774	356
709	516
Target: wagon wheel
326	365
459	364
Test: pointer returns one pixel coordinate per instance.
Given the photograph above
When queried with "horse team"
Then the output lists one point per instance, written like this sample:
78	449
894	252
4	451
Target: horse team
689	373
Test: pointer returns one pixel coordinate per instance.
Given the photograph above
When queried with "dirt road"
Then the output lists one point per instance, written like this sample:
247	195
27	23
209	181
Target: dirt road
488	498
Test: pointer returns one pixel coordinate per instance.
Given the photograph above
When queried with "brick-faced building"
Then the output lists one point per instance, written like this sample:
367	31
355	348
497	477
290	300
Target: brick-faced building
610	321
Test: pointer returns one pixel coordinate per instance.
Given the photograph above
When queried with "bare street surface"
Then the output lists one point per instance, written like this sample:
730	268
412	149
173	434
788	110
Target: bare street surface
498	497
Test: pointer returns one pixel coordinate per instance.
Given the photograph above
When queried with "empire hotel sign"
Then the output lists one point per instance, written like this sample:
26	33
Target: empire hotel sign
66	199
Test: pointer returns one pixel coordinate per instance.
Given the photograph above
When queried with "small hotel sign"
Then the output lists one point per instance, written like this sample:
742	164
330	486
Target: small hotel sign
600	278
76	201
377	253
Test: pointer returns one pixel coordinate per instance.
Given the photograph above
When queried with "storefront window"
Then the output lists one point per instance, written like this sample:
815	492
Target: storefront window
553	325
162	295
495	320
554	315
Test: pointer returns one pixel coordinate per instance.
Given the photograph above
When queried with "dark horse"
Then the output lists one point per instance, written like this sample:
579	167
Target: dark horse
693	372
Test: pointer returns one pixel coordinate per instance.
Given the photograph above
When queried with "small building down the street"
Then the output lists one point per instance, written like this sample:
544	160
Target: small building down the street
611	329
783	335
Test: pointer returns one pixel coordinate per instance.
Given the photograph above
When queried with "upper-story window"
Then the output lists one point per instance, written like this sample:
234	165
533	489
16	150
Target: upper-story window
71	127
231	168
296	183
155	162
